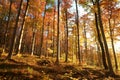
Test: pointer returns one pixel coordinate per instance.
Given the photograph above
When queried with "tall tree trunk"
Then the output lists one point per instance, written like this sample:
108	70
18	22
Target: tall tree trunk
112	41
99	54
33	41
66	57
77	23
20	38
101	43
14	33
85	39
54	33
75	43
104	39
58	34
42	33
99	37
5	35
48	26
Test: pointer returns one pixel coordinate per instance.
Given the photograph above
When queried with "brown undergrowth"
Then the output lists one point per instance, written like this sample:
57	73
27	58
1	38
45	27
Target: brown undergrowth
26	67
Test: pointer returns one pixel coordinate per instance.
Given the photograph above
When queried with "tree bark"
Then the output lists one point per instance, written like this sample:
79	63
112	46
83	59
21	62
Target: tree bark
20	38
85	39
77	23
101	43
66	57
104	39
99	37
5	35
58	34
48	31
33	41
54	32
14	33
42	33
112	41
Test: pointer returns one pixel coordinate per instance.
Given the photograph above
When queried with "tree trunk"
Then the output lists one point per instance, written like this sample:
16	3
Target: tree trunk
20	38
77	23
66	57
112	42
58	34
54	33
99	55
100	40
104	39
33	41
14	33
42	33
48	26
5	35
85	40
101	43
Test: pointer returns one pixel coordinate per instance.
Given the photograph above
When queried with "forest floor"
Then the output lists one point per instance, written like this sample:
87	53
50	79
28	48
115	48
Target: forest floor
26	67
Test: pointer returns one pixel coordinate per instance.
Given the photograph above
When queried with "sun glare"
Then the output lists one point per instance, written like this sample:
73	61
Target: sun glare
117	46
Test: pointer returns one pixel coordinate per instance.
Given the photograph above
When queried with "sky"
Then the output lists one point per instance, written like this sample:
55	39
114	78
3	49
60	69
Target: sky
80	9
81	12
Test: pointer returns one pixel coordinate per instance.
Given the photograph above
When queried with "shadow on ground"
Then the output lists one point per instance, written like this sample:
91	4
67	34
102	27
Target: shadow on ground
45	70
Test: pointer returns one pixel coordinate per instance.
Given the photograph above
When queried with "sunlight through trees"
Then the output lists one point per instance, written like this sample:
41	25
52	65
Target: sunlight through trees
76	32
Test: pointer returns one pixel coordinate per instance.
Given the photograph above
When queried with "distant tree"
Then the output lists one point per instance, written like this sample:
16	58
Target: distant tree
5	34
66	58
110	5
65	6
85	38
42	31
47	2
85	23
34	30
54	31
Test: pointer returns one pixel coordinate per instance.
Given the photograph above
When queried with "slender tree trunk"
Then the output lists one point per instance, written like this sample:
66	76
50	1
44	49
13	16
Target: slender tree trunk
77	23
33	42
75	43
14	33
104	39
5	35
58	34
54	33
48	26
112	42
66	57
101	43
100	40
85	39
42	33
20	38
99	54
